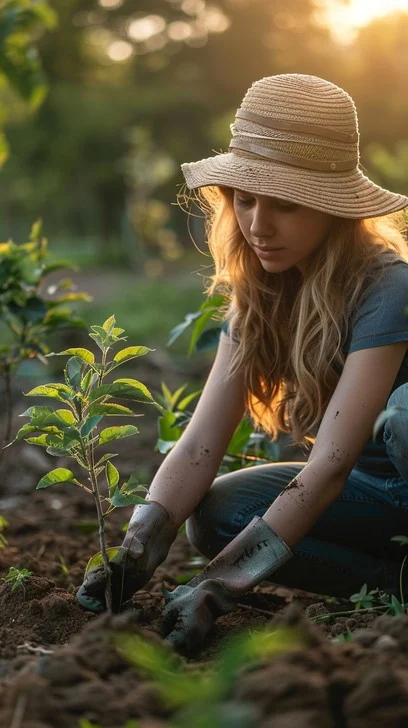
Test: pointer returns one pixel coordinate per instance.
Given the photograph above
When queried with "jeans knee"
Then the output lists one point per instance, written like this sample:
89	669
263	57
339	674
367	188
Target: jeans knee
396	426
205	528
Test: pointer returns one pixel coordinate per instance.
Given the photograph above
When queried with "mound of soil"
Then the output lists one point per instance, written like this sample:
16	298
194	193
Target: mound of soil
321	685
37	613
59	665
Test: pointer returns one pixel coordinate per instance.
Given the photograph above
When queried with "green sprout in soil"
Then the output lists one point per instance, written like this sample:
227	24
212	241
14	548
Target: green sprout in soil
3	525
198	695
74	430
17	578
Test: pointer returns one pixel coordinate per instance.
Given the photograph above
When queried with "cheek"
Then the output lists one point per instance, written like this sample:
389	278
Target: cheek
315	231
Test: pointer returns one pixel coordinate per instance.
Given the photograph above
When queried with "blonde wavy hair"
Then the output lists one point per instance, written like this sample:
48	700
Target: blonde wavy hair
291	328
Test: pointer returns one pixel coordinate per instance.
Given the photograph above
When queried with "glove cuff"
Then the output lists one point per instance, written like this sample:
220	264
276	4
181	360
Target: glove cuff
252	556
150	523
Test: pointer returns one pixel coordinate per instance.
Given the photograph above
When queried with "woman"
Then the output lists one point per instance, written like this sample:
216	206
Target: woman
315	343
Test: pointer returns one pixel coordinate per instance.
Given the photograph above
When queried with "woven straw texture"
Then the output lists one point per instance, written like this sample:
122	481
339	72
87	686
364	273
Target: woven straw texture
298	164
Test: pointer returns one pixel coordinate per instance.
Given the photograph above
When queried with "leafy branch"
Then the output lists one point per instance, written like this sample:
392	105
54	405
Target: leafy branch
74	430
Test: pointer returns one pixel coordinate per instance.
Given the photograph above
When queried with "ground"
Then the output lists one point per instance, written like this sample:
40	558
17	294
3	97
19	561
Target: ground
61	666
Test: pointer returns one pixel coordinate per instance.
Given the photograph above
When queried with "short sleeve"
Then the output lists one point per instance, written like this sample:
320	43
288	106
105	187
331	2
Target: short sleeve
225	327
381	318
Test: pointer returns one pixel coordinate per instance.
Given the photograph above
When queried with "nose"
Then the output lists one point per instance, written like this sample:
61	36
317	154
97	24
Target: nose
263	221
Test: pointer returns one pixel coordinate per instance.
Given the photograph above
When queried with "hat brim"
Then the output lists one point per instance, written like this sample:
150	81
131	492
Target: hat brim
344	194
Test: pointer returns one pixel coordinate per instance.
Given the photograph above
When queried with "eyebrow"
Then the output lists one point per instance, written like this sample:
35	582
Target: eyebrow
252	194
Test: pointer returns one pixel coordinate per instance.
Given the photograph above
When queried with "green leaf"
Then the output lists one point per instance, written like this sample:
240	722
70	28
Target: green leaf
37	412
25	430
111	409
176	396
396	605
181	328
168	429
122	389
97	560
89	424
55	391
403	540
117	433
131	352
59	475
109	324
40	440
66	415
189	398
122	498
164	446
208	340
240	437
86	380
73	372
198	329
112	476
81	353
106	456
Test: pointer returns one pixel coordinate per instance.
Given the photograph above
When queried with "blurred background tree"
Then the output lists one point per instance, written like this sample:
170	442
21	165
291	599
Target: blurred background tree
135	87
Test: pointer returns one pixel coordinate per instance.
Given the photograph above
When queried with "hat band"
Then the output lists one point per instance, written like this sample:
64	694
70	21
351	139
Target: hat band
297	126
338	166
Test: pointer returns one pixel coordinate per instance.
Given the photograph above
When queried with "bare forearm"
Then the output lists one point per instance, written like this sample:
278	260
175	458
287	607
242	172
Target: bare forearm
183	479
300	504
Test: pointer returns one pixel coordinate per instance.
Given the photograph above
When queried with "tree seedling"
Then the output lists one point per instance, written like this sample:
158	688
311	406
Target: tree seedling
17	578
74	430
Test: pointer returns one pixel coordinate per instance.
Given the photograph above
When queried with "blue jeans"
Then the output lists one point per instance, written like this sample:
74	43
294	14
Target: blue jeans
348	545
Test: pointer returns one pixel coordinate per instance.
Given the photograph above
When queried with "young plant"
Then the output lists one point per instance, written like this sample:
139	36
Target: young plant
3	524
74	430
30	310
364	599
198	695
17	578
246	448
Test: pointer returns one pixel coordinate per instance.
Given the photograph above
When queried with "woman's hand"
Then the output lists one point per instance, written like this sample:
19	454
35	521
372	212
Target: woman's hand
192	609
145	546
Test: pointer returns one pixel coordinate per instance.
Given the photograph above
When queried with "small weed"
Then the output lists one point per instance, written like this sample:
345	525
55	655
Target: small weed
364	599
3	525
17	578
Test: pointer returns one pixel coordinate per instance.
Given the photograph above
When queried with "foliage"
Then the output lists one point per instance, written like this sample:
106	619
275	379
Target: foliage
3	525
16	577
20	66
73	430
363	598
29	309
197	694
247	447
202	338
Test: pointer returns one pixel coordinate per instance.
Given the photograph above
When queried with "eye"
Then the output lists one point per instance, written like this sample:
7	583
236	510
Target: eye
243	201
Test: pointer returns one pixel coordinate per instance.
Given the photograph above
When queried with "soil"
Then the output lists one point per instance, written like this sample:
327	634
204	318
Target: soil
60	666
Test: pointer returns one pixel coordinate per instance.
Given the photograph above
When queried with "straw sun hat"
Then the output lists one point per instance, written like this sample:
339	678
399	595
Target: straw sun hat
296	137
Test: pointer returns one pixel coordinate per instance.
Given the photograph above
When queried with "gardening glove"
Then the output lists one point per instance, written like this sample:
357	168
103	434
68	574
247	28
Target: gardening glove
192	609
146	544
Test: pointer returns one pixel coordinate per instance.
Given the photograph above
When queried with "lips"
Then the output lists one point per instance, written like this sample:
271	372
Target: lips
266	250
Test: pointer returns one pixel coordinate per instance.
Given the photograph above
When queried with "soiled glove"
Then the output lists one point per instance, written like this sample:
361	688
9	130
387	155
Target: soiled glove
192	609
146	545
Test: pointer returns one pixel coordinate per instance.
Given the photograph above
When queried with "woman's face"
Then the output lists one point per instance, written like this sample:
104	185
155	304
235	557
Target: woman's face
282	234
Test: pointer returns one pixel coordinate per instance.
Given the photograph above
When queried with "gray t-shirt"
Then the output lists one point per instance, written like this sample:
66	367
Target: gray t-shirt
380	318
